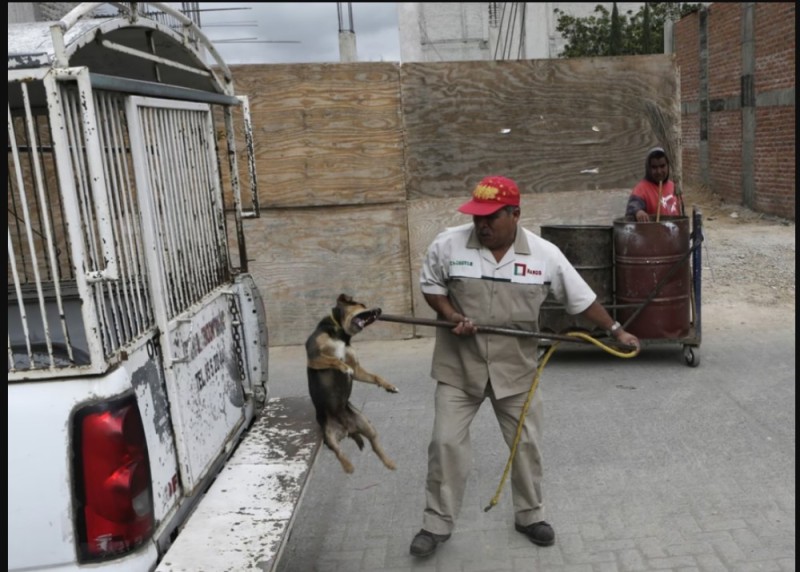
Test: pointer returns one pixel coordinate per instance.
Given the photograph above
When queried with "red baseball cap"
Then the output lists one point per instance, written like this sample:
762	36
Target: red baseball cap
491	194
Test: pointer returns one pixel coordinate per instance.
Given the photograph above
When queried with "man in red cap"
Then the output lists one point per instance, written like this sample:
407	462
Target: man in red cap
492	272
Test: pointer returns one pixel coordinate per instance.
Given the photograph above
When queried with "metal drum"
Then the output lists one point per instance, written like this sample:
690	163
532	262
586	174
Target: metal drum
589	249
649	254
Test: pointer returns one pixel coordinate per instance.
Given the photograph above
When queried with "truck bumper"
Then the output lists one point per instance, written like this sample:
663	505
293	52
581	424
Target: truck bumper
245	518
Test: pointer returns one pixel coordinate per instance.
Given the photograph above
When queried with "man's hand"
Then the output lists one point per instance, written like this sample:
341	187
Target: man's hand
642	216
464	326
628	339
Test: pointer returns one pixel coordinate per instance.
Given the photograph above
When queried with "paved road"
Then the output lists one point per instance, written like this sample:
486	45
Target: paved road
649	464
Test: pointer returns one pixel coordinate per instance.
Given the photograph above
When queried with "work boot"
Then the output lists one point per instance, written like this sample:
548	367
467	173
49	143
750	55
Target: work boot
425	543
539	533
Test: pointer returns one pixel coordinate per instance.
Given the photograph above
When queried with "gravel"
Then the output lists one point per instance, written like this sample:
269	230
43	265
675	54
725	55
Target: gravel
748	257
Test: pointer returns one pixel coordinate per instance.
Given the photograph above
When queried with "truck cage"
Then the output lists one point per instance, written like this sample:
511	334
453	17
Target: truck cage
123	181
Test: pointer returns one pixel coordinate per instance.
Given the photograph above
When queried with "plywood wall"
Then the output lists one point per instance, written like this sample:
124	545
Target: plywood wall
326	134
359	165
551	125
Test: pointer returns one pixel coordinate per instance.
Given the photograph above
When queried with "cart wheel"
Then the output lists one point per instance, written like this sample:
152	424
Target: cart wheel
691	355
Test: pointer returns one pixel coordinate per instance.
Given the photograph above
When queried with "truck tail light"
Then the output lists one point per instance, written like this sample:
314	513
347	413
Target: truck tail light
114	508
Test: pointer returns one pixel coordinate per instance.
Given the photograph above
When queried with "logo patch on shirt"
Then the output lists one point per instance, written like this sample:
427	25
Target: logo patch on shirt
527	273
521	269
460	263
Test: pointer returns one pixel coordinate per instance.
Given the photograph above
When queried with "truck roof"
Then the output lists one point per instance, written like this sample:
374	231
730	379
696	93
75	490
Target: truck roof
127	45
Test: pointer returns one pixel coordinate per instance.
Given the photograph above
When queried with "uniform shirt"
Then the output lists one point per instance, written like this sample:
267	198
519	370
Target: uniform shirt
507	294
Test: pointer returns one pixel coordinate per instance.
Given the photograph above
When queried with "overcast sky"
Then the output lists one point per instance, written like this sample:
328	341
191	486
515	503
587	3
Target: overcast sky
313	25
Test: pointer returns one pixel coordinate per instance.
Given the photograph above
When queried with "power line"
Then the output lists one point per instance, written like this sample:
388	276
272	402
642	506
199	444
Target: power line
506	29
349	16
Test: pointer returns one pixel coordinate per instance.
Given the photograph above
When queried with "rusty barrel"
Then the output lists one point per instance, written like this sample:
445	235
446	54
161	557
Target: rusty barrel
645	255
590	250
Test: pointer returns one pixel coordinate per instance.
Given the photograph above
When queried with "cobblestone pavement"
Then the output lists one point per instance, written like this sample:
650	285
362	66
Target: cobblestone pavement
649	464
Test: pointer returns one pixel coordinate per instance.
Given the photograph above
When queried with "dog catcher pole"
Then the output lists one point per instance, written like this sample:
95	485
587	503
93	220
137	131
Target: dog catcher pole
492	330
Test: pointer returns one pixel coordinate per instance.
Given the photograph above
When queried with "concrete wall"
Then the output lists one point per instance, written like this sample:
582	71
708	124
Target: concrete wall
737	67
462	31
361	164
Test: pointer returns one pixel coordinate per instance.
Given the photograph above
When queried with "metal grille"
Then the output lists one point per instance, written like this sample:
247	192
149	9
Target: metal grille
109	226
128	312
187	205
39	266
68	289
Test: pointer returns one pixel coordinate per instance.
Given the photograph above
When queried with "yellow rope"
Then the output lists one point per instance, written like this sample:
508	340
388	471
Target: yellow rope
534	384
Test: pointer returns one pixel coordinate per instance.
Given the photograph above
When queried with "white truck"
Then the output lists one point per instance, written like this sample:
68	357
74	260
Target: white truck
137	342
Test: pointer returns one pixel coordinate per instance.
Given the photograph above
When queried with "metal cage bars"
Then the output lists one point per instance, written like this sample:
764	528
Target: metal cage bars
78	224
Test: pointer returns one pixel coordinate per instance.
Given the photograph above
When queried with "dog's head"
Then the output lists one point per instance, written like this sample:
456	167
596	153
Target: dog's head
354	316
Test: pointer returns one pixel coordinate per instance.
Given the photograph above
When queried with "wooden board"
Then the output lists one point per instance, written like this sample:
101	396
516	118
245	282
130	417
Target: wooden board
552	125
325	134
302	259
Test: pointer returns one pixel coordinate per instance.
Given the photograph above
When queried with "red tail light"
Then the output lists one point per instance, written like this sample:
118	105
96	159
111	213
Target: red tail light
114	509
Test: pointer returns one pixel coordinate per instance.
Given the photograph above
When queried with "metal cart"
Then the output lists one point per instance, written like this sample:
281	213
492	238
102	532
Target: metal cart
648	275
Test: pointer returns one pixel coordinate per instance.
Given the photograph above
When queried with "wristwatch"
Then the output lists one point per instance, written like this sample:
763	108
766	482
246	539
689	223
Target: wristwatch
614	327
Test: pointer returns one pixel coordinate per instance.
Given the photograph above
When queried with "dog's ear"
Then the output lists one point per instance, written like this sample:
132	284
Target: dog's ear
343	299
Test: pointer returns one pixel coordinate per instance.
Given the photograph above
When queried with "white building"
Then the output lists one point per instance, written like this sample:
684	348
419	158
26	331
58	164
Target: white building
439	31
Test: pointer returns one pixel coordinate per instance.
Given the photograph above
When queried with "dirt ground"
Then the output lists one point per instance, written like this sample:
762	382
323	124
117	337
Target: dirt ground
748	257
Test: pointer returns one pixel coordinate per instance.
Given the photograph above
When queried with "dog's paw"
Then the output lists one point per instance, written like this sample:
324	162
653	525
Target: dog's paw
380	382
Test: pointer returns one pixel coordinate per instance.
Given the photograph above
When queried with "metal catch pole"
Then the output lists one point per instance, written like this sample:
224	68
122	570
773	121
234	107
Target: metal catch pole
484	329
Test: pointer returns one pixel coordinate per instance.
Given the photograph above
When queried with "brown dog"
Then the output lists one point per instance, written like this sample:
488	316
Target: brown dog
332	367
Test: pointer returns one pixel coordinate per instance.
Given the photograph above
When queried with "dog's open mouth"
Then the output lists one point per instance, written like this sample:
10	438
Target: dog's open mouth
365	318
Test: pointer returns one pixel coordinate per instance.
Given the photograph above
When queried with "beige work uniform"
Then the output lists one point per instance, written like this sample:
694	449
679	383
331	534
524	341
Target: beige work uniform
470	369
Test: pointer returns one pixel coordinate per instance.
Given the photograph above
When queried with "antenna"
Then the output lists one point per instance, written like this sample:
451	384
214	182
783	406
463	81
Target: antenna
193	11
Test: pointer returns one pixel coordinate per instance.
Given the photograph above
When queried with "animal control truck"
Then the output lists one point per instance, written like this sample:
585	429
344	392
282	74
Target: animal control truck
137	342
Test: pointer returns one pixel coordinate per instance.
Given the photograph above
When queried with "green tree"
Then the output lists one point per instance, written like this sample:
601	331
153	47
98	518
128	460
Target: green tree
615	35
640	33
647	42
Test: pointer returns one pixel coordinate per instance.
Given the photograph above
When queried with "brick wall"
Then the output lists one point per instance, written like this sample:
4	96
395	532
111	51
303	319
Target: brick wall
724	49
724	81
775	50
775	168
775	165
723	155
687	39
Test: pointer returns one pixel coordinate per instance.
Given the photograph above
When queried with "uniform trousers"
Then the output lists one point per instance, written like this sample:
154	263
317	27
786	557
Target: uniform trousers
450	455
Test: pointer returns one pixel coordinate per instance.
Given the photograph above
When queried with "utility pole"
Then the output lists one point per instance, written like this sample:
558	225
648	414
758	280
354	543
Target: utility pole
347	35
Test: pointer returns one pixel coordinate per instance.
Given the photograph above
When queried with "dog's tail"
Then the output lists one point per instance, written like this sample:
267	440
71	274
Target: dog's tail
359	441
